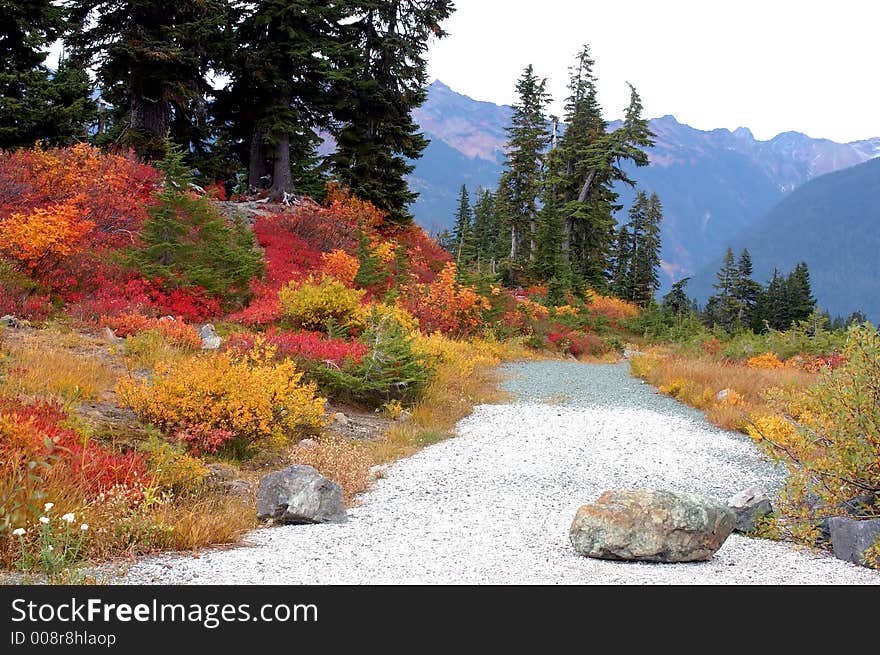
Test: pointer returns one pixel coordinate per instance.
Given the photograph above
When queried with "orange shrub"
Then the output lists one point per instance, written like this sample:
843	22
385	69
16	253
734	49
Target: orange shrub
341	265
614	309
767	360
445	305
57	230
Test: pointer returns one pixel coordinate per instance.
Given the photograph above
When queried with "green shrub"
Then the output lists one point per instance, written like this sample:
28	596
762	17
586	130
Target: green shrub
391	370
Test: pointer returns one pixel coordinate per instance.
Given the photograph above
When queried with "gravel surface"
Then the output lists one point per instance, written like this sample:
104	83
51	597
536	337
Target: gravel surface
494	505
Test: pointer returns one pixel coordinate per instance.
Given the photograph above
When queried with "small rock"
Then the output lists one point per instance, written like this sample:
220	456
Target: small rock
627	353
307	444
404	416
722	395
210	339
299	494
340	419
110	336
851	538
9	321
651	526
749	505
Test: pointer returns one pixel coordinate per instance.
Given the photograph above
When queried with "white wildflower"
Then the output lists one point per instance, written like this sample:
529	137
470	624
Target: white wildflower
69	517
18	532
48	506
51	548
44	519
84	527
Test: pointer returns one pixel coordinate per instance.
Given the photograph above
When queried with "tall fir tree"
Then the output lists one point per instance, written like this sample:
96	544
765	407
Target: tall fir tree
799	294
522	178
37	104
746	290
723	308
594	162
487	233
380	74
621	258
645	257
676	302
152	61
463	232
281	77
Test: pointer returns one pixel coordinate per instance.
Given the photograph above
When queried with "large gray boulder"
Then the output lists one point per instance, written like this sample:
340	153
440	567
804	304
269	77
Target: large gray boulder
749	505
851	538
299	494
651	526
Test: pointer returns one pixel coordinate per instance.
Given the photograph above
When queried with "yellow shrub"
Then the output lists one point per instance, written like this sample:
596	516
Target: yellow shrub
253	398
566	310
396	313
311	304
673	388
774	428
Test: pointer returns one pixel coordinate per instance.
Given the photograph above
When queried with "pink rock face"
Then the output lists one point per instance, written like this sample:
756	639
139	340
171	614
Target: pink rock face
651	526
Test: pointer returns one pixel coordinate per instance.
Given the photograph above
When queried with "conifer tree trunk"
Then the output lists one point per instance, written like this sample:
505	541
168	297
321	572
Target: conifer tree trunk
149	118
282	180
258	171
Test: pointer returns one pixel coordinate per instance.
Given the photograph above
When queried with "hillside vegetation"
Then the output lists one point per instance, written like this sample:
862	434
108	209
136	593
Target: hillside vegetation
115	419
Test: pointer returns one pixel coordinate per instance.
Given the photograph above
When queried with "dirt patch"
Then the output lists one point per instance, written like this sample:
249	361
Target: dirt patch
358	424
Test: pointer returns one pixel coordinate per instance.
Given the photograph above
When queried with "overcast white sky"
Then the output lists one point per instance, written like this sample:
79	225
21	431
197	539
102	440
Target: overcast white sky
769	65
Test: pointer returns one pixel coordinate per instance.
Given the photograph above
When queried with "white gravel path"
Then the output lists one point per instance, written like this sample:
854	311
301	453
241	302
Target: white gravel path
494	504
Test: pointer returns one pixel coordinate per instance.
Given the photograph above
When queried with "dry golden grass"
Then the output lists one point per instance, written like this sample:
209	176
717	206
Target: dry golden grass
118	528
696	381
53	364
344	461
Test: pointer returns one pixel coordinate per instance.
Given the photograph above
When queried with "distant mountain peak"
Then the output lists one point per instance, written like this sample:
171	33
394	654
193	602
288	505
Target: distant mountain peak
744	133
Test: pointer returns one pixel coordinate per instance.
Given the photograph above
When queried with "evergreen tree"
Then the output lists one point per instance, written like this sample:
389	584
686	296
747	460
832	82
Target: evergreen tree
281	76
799	295
522	179
746	289
371	270
35	103
548	260
676	301
621	260
645	257
152	60
775	303
379	79
723	309
594	162
486	230
187	242
463	231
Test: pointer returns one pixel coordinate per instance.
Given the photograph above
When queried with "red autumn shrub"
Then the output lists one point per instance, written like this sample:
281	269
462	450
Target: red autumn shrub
577	343
31	431
201	438
308	348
